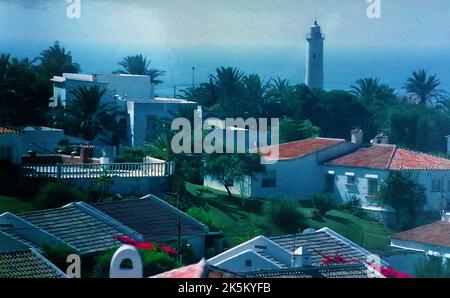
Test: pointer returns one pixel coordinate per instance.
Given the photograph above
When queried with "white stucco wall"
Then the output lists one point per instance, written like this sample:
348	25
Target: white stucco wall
139	111
436	201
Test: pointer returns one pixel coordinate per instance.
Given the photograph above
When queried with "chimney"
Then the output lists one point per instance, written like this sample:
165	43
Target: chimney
301	258
381	138
86	153
446	216
357	136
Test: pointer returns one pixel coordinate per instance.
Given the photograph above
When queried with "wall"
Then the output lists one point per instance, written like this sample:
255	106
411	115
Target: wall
435	201
136	186
406	261
130	86
41	140
139	111
15	142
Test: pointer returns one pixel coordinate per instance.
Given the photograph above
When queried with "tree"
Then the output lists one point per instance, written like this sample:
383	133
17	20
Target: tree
370	89
323	203
433	267
88	116
55	61
24	95
278	92
291	130
229	88
139	65
229	169
404	195
424	87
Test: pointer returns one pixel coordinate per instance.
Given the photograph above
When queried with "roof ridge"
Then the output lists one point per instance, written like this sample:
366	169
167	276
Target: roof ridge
392	157
101	216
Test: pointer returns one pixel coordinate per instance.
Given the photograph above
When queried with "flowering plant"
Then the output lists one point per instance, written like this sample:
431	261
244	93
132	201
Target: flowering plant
145	245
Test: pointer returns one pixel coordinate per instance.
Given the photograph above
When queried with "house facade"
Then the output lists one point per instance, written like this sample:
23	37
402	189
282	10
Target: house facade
132	95
358	175
312	249
298	173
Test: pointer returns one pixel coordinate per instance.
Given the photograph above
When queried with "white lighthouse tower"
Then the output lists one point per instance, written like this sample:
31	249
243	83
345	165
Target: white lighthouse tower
314	58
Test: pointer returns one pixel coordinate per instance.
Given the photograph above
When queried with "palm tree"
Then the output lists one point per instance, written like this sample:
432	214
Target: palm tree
370	89
55	61
228	81
444	105
424	87
138	65
278	92
89	117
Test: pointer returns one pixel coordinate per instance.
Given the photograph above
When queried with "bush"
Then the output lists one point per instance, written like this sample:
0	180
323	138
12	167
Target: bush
57	254
323	203
153	262
285	215
54	195
202	216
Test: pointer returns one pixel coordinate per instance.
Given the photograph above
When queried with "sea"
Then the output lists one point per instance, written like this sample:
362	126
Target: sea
342	66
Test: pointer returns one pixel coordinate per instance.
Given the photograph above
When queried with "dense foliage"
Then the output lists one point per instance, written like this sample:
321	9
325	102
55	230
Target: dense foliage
54	195
404	195
285	215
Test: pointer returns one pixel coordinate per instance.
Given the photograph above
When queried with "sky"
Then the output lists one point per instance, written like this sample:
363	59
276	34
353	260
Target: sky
227	23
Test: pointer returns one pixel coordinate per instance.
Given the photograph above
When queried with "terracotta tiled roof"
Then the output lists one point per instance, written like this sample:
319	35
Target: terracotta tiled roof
200	270
391	157
8	130
437	233
299	149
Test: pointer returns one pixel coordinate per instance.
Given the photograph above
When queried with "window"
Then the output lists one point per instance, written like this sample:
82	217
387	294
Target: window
372	186
436	185
329	183
350	178
248	263
269	179
6	153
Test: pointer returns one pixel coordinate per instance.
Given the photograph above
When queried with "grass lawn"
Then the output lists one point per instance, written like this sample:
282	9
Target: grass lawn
14	205
239	222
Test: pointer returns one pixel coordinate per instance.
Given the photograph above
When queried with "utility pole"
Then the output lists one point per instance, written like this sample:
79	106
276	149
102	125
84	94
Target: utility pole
193	76
174	95
178	226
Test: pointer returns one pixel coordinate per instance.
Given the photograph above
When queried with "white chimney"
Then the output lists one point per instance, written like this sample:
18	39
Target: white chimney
301	258
380	139
446	216
357	136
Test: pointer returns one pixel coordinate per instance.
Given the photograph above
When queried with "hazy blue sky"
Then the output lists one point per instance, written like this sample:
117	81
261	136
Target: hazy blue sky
175	23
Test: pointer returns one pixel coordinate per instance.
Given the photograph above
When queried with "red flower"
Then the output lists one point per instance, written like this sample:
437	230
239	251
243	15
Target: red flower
169	250
126	240
145	245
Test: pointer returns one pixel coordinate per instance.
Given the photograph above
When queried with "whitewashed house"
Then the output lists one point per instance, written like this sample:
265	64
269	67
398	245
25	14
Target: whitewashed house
311	249
133	95
298	174
360	174
17	141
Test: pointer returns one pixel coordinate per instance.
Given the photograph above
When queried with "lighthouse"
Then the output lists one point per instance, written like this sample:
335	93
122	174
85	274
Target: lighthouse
314	58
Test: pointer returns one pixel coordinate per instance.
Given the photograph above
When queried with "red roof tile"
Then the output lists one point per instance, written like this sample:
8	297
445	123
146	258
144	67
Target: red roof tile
391	157
437	233
8	130
299	149
200	270
410	160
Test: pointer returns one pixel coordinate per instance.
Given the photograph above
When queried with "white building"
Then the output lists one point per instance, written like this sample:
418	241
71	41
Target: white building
298	174
314	58
310	249
17	141
360	174
131	94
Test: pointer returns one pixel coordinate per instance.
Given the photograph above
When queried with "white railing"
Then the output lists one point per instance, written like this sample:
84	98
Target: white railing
71	171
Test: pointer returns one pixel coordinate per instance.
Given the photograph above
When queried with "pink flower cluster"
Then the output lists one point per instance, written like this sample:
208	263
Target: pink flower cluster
145	245
388	272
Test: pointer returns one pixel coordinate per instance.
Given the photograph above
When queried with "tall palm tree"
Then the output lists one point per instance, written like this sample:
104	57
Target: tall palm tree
370	89
139	65
278	92
424	87
55	61
89	117
444	105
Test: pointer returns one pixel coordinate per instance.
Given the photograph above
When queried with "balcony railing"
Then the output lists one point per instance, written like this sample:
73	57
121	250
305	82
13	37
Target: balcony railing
92	171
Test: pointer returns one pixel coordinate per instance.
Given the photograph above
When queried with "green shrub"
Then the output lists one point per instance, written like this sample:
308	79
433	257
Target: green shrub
153	262
54	195
285	215
57	254
323	203
202	216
